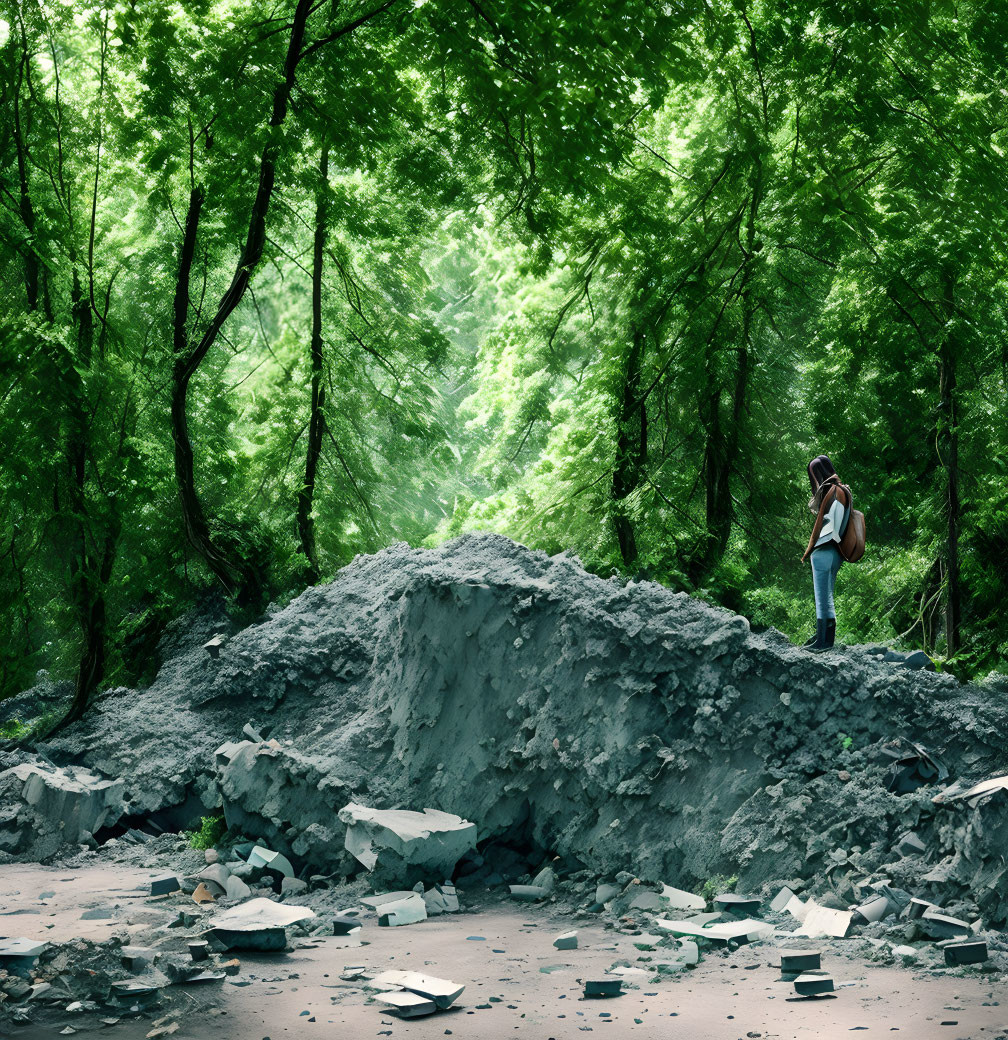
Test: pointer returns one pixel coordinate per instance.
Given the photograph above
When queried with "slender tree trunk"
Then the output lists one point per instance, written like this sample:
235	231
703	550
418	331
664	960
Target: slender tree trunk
25	207
244	577
631	449
306	523
948	447
722	445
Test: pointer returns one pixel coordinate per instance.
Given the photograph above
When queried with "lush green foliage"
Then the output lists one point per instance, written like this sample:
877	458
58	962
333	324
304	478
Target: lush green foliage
211	830
597	277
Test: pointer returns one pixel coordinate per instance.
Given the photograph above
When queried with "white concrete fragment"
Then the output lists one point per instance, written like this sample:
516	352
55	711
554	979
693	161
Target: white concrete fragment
237	889
402	842
821	920
260	913
263	857
410	910
566	940
408	1005
527	893
545	879
780	902
443	992
380	899
679	899
798	908
605	892
746	930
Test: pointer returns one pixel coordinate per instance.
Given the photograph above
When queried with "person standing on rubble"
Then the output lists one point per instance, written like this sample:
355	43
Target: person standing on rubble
829	502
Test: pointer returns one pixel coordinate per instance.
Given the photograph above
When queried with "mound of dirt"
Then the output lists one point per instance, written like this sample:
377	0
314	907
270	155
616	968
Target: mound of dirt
620	726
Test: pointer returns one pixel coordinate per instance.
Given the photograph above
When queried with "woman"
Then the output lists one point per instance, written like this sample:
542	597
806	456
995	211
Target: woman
829	502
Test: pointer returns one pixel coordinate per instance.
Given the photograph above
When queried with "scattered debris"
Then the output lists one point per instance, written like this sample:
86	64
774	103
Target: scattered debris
203	894
937	925
798	961
18	956
442	992
821	920
912	769
566	941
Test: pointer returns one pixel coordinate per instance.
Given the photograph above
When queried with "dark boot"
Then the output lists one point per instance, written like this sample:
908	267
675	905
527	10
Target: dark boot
819	642
811	641
828	636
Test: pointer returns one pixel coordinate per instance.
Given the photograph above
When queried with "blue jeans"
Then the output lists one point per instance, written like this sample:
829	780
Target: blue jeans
826	562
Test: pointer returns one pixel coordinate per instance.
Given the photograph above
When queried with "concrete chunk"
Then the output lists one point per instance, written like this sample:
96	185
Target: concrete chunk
443	992
606	891
966	953
267	859
410	910
404	845
257	924
937	925
47	807
566	941
408	1005
799	961
237	889
165	885
780	901
527	893
811	985
821	920
679	899
18	956
733	903
603	988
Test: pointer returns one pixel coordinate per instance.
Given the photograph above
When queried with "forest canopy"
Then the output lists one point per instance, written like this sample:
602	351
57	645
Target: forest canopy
284	283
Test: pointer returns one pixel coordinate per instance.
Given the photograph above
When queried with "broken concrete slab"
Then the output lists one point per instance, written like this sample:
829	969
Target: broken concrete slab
545	879
410	910
408	1005
566	941
798	961
872	910
47	806
214	644
442	992
605	891
267	859
404	845
257	924
821	920
780	901
937	925
811	985
199	949
380	899
743	906
236	888
165	885
960	953
594	988
918	907
441	899
215	876
678	899
346	924
736	931
18	956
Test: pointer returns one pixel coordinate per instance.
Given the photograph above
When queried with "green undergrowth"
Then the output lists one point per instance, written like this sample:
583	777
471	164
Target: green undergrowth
211	830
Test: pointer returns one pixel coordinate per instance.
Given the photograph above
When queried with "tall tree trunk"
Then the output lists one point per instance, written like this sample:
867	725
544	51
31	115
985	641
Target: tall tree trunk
948	448
243	577
25	207
306	523
722	445
631	449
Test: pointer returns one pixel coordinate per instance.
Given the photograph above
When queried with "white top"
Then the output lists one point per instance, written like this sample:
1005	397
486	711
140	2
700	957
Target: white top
832	522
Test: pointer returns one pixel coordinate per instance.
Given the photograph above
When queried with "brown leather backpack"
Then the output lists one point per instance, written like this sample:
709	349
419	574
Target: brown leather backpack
852	531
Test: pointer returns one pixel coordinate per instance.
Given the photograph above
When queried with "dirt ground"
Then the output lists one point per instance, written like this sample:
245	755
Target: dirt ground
499	950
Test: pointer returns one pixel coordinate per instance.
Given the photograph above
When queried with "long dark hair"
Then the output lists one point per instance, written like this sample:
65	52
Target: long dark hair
821	475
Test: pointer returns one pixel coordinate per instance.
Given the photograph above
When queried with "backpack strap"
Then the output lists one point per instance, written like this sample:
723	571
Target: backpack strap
848	509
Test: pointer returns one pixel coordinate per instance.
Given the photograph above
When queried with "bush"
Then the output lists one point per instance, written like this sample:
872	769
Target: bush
211	830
